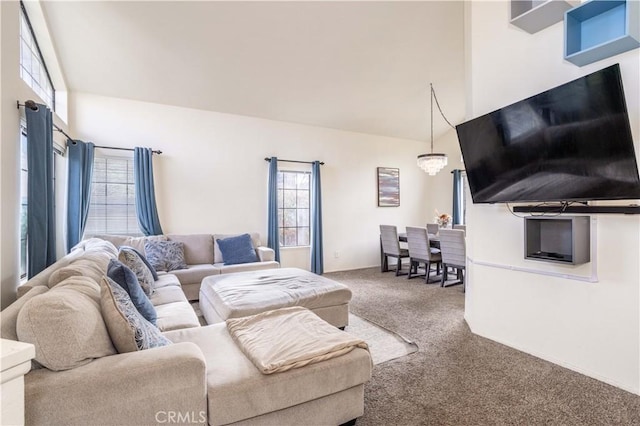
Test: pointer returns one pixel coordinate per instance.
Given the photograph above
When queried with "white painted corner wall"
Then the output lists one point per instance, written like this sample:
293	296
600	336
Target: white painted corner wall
592	328
212	176
12	89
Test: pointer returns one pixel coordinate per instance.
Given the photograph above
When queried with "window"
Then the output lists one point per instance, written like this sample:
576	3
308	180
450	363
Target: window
23	201
293	208
33	70
113	206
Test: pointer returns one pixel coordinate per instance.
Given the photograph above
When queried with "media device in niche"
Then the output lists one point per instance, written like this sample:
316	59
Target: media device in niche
569	143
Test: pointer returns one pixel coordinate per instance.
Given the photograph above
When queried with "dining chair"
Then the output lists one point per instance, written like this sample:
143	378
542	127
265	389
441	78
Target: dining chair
453	251
420	251
462	227
432	228
391	247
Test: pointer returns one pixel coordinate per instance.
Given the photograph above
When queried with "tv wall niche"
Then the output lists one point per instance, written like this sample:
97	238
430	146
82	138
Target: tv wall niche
565	239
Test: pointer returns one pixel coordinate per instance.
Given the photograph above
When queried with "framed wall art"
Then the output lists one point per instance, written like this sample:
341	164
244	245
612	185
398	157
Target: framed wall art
388	187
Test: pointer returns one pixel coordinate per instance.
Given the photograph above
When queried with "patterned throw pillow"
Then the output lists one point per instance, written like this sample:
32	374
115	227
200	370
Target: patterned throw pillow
132	260
144	259
165	255
236	250
128	329
125	277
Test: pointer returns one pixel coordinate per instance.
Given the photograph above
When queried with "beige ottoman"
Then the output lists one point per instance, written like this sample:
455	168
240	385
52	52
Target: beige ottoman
249	293
327	393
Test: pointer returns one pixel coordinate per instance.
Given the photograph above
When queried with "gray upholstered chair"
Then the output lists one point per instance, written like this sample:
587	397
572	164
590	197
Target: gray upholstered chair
462	227
454	253
432	228
391	247
420	251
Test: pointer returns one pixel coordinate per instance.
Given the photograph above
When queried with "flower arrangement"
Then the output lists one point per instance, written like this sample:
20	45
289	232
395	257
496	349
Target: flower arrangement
442	219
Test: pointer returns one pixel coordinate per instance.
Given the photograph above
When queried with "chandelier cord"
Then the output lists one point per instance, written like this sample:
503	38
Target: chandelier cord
433	93
432	96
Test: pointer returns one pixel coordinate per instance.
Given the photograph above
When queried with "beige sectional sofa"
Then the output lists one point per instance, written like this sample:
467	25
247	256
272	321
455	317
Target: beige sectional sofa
202	377
203	257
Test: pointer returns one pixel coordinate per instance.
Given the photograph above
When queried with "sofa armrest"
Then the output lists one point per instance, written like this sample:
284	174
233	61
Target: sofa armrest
266	254
160	385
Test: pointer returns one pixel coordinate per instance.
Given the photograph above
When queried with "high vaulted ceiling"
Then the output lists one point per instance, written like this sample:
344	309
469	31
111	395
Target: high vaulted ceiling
357	66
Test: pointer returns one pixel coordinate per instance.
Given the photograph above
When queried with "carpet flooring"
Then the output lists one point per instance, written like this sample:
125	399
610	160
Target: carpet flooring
458	378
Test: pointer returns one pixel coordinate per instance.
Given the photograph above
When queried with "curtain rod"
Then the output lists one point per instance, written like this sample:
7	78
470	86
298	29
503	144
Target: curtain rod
293	161
34	107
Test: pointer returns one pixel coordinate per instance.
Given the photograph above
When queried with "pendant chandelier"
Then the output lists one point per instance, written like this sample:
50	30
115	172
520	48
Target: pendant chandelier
432	163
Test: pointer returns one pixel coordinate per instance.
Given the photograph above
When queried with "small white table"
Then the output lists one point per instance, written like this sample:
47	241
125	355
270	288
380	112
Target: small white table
15	362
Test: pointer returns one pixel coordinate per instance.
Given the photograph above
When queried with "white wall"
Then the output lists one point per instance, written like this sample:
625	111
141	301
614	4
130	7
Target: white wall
10	84
212	176
12	89
590	327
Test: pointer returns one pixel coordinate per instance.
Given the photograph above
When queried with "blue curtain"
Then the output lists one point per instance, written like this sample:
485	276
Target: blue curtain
146	208
317	263
41	232
272	226
458	214
80	157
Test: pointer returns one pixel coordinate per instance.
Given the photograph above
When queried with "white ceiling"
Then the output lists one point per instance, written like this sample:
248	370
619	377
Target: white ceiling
358	66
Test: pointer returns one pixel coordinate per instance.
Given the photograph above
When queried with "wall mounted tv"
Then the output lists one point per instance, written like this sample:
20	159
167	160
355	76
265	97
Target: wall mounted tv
570	143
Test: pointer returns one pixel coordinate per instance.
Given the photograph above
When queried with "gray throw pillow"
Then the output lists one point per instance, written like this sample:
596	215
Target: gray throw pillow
165	255
128	329
132	260
144	259
237	250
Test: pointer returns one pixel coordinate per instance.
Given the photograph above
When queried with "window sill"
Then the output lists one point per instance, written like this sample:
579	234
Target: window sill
294	247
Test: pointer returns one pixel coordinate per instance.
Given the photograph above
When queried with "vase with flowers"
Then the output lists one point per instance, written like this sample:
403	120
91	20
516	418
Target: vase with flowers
443	219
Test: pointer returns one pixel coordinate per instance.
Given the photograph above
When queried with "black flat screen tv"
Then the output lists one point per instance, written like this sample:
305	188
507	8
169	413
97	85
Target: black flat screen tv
570	143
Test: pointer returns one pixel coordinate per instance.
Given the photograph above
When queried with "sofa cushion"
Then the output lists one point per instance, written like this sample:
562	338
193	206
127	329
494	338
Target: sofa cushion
238	391
166	280
78	268
168	294
165	255
9	316
176	315
128	329
217	254
130	257
236	250
135	242
198	248
98	258
125	277
245	267
195	273
96	244
65	325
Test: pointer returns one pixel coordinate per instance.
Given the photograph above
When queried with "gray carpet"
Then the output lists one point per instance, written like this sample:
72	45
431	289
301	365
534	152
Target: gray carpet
458	378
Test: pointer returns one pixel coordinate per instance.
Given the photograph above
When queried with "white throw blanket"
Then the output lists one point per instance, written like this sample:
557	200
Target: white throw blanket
287	338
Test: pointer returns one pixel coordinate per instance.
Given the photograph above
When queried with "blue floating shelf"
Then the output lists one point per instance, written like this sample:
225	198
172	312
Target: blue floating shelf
598	29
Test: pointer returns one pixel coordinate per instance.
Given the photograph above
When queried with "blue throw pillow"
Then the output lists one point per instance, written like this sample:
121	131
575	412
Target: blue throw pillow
125	277
236	250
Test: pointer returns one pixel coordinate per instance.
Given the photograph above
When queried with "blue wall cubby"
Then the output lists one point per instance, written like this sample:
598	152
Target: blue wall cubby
598	29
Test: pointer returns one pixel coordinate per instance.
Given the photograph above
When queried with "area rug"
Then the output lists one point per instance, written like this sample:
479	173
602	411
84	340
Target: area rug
384	344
